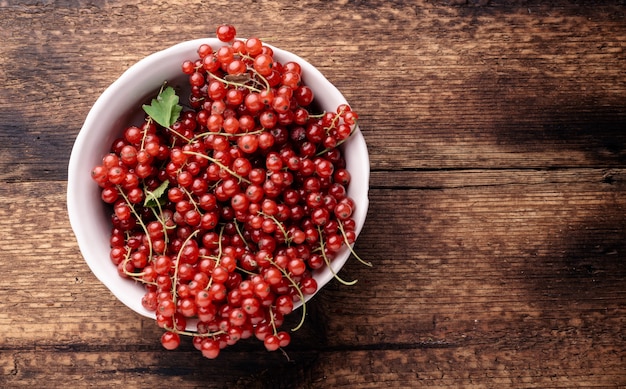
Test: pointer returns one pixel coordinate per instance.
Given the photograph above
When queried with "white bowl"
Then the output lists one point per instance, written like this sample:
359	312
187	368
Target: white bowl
120	106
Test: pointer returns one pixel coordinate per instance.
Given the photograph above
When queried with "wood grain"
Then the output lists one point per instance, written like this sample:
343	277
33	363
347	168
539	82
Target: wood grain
497	199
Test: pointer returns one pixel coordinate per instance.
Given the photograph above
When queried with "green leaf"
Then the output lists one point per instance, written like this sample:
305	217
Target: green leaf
156	196
165	109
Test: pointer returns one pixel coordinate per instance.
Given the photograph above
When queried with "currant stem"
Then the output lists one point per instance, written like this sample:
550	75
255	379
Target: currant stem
139	220
250	273
179	135
229	135
159	215
191	333
145	133
280	225
175	276
219	256
135	276
239	84
272	320
267	84
328	264
160	219
191	200
298	289
218	163
345	239
240	233
339	143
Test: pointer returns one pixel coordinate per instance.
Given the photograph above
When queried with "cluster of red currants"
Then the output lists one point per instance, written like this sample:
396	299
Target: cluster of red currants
225	214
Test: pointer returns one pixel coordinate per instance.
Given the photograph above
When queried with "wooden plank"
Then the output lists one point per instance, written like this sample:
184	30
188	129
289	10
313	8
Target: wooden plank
471	367
451	87
441	179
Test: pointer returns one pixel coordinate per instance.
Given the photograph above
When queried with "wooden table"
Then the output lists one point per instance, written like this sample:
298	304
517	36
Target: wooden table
497	139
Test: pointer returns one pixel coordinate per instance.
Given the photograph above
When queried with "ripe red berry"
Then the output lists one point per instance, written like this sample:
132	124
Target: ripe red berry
271	342
226	32
170	340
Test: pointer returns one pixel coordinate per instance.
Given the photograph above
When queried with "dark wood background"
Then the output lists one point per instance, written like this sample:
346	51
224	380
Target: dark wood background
496	132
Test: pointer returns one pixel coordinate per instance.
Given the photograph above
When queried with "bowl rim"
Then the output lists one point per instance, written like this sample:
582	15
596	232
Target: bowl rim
78	204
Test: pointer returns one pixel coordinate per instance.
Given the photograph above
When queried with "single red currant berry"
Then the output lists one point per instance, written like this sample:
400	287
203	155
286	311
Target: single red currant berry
268	119
281	104
210	63
308	285
239	47
188	67
292	66
249	143
296	266
284	338
225	55
237	317
204	50
343	211
236	67
291	80
271	342
284	304
210	348
170	340
166	308
304	95
110	194
149	301
197	79
254	46
226	32
263	64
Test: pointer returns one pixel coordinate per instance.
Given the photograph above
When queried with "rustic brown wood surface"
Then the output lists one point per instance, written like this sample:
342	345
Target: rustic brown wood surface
497	137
